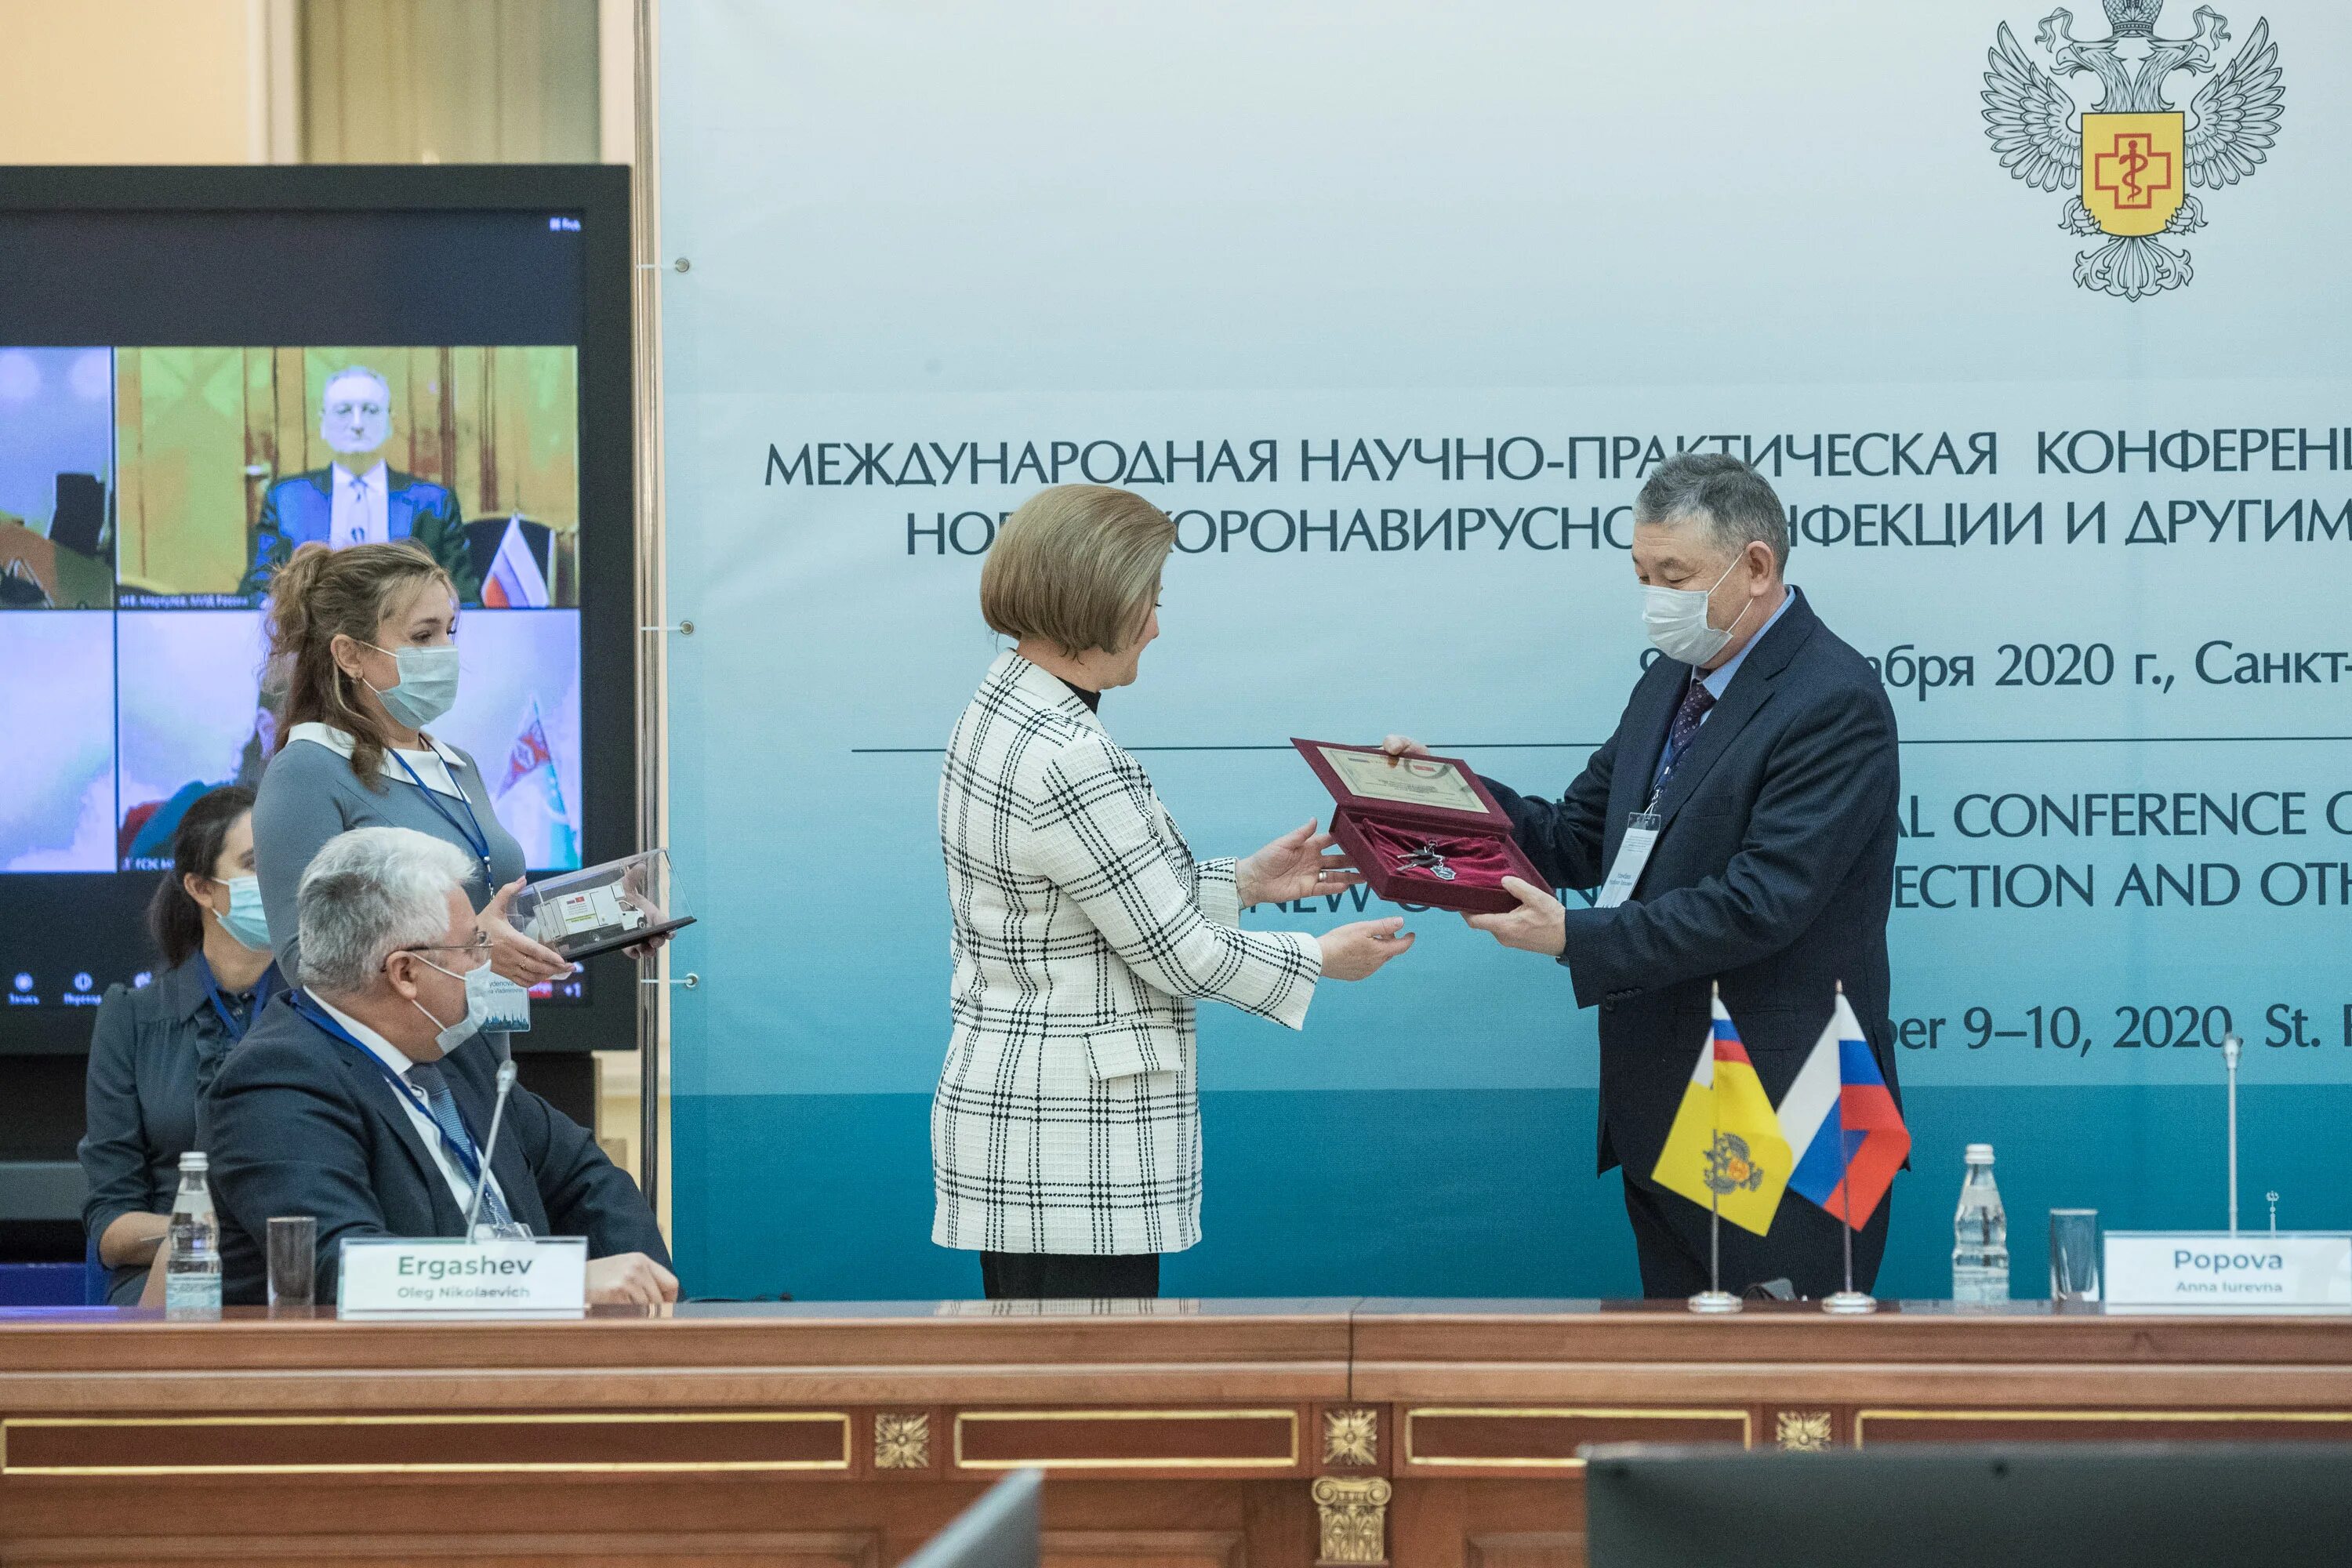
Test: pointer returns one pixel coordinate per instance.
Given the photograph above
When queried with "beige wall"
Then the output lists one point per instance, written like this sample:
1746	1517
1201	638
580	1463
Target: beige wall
127	81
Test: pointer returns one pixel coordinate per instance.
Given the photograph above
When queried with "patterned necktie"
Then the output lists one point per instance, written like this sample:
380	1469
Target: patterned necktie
442	1107
1696	702
358	530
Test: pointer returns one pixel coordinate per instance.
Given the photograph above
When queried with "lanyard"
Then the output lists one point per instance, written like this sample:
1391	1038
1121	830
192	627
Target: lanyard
468	1159
470	830
261	990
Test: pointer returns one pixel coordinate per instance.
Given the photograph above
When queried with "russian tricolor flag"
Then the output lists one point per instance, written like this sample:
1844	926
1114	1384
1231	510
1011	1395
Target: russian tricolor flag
1842	1122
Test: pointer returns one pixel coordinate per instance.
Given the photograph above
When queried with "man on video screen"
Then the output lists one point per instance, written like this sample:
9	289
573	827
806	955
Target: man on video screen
359	499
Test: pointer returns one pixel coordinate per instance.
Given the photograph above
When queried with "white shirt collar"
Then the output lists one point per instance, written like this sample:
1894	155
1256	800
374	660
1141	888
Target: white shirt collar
374	477
339	743
384	1050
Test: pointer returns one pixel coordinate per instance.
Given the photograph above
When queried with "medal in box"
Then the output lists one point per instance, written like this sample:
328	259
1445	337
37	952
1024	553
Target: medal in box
1423	830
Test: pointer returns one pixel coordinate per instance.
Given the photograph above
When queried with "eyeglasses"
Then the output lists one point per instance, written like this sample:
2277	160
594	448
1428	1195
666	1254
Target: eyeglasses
480	944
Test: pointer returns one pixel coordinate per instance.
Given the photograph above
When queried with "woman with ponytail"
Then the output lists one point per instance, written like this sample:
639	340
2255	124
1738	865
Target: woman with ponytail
155	1048
365	640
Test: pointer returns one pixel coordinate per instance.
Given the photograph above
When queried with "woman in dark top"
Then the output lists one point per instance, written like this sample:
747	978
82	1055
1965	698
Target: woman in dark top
155	1048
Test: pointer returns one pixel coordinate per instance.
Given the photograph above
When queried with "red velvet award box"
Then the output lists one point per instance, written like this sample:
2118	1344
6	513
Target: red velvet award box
1423	830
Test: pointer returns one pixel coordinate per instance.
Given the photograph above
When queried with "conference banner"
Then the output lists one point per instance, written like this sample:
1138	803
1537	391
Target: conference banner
2035	320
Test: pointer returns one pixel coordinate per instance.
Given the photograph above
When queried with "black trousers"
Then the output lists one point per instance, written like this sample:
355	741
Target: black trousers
1804	1247
1068	1277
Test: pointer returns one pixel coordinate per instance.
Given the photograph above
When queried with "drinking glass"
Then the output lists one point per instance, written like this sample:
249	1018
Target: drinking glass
293	1260
2074	1256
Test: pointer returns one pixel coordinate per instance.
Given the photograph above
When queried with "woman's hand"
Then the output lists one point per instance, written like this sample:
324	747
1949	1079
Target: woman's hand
1299	865
1353	951
513	954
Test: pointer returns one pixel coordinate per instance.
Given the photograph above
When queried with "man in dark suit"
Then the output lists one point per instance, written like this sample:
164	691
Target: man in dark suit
359	499
1764	748
363	1099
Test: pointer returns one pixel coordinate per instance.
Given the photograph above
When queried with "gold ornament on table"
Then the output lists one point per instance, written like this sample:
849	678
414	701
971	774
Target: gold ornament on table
1352	1437
902	1440
1804	1431
1355	1519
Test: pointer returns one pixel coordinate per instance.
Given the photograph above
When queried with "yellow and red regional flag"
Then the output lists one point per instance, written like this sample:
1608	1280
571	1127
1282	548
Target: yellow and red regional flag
1724	1148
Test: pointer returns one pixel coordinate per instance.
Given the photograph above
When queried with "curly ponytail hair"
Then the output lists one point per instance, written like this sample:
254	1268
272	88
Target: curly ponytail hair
320	593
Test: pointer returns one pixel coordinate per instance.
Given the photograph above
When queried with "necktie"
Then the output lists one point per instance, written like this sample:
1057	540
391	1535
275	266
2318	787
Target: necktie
442	1106
359	528
1696	702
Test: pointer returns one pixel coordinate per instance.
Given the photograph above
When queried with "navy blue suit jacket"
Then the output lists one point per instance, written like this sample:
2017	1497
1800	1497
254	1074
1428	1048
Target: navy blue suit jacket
1773	877
301	509
296	1122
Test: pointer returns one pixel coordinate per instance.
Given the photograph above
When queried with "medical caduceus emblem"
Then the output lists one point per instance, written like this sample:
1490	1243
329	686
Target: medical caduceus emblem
2131	158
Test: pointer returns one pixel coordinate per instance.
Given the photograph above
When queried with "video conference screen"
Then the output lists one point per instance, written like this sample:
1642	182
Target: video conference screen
185	398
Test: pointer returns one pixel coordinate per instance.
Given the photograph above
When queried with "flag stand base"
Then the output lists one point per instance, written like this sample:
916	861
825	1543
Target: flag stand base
1715	1301
1849	1303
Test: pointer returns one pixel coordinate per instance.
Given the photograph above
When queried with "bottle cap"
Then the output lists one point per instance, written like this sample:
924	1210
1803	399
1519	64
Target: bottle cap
1978	1154
193	1159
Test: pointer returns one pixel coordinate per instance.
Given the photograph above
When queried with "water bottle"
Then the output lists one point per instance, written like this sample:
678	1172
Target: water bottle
192	1273
1980	1234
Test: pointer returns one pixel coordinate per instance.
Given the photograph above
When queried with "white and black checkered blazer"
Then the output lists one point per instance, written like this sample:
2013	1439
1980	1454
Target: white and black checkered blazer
1067	1117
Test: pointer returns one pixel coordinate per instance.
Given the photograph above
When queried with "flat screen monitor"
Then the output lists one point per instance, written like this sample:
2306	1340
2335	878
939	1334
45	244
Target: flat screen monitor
200	368
2069	1505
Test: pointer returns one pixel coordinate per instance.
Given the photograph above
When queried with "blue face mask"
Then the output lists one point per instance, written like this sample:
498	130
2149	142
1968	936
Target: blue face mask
428	687
245	921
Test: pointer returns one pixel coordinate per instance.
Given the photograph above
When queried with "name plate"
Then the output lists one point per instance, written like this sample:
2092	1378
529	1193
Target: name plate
2191	1268
413	1277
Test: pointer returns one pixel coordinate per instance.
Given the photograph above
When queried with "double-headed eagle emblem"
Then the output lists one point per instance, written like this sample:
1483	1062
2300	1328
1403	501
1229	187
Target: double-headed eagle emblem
2131	157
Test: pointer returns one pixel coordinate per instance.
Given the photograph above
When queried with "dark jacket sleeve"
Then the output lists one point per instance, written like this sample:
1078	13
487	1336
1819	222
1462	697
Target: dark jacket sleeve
270	550
585	1194
286	1137
441	529
1563	837
114	1145
1831	779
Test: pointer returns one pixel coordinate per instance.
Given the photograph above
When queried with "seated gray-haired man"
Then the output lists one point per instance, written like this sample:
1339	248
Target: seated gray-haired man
362	1098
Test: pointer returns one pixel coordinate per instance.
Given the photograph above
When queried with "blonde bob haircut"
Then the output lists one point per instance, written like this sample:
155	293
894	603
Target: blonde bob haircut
1076	566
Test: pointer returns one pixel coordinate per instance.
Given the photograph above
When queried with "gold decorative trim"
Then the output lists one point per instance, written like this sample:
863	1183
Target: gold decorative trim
1802	1431
1861	1418
902	1440
1353	1515
1289	1417
1747	1419
1352	1437
601	1467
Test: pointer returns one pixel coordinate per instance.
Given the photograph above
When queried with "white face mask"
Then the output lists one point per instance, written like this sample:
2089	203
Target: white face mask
1676	620
492	1001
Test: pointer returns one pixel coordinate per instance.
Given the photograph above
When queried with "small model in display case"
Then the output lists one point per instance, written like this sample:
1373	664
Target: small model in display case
617	904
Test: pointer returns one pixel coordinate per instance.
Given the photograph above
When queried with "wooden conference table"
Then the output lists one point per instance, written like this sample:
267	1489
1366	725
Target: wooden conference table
1175	1434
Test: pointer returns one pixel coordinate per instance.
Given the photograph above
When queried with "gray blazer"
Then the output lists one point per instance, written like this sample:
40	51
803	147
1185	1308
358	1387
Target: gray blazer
309	794
153	1051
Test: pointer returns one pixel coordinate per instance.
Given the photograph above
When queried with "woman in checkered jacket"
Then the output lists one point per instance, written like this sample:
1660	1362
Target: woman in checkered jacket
1066	1130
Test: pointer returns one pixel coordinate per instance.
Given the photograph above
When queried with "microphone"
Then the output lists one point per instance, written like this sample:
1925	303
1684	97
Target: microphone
490	1145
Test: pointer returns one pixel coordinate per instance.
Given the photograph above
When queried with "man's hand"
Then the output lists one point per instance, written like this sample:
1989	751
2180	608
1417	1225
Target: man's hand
629	1279
1539	925
1299	865
1398	746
